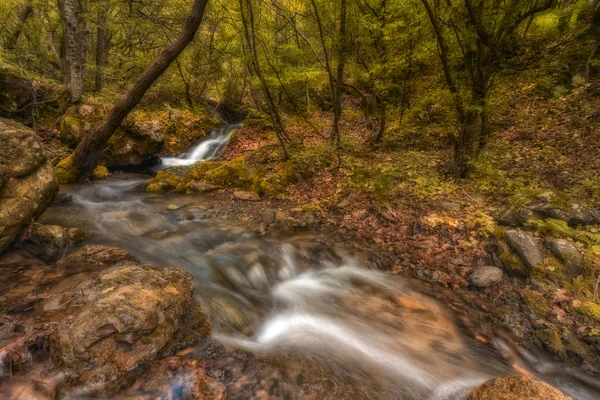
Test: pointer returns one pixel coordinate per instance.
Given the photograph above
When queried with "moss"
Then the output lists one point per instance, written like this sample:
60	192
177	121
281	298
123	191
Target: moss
535	302
199	171
513	264
560	228
590	311
65	170
154	187
101	172
551	339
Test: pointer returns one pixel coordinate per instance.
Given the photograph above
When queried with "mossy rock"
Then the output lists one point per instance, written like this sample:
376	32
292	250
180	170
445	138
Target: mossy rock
551	340
590	311
101	172
513	264
65	170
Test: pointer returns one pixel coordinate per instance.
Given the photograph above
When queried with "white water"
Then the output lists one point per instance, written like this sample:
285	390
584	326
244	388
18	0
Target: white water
206	150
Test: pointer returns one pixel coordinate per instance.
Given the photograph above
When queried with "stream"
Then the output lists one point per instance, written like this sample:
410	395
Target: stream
376	335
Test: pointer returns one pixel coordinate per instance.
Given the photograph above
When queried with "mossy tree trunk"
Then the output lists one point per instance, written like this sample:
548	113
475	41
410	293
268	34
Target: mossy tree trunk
89	150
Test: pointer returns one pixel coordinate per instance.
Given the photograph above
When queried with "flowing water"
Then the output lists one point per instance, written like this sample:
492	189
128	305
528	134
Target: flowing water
207	149
377	335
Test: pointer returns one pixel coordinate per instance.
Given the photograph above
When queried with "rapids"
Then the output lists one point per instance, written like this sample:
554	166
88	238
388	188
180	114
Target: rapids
374	333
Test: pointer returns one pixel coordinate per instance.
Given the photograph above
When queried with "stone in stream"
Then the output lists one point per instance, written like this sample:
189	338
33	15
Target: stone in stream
526	246
568	254
247	196
49	242
127	317
173	378
27	182
516	388
93	258
486	277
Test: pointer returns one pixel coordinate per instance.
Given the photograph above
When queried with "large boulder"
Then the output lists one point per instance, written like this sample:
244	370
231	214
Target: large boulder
27	181
124	319
136	144
516	388
16	94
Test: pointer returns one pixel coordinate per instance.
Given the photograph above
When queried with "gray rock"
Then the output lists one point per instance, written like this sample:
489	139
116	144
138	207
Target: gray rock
269	217
27	181
568	254
526	246
486	277
542	207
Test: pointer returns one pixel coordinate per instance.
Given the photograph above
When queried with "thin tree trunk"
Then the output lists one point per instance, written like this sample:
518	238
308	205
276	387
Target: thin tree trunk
102	46
23	17
76	37
89	150
339	81
250	36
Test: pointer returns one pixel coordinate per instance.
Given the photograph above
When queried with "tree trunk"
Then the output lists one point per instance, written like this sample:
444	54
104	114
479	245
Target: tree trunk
102	46
76	38
250	37
23	17
339	80
88	152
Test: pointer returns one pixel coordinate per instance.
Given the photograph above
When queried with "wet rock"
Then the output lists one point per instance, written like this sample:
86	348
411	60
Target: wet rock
136	144
27	182
526	246
93	258
568	254
204	187
49	242
173	378
125	318
546	205
246	196
486	277
516	388
64	198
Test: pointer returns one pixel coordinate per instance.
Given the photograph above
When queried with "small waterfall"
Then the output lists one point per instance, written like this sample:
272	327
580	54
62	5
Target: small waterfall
206	150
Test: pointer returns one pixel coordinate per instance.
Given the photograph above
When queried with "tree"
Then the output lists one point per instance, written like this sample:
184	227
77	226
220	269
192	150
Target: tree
26	12
250	46
475	35
88	152
102	44
76	39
